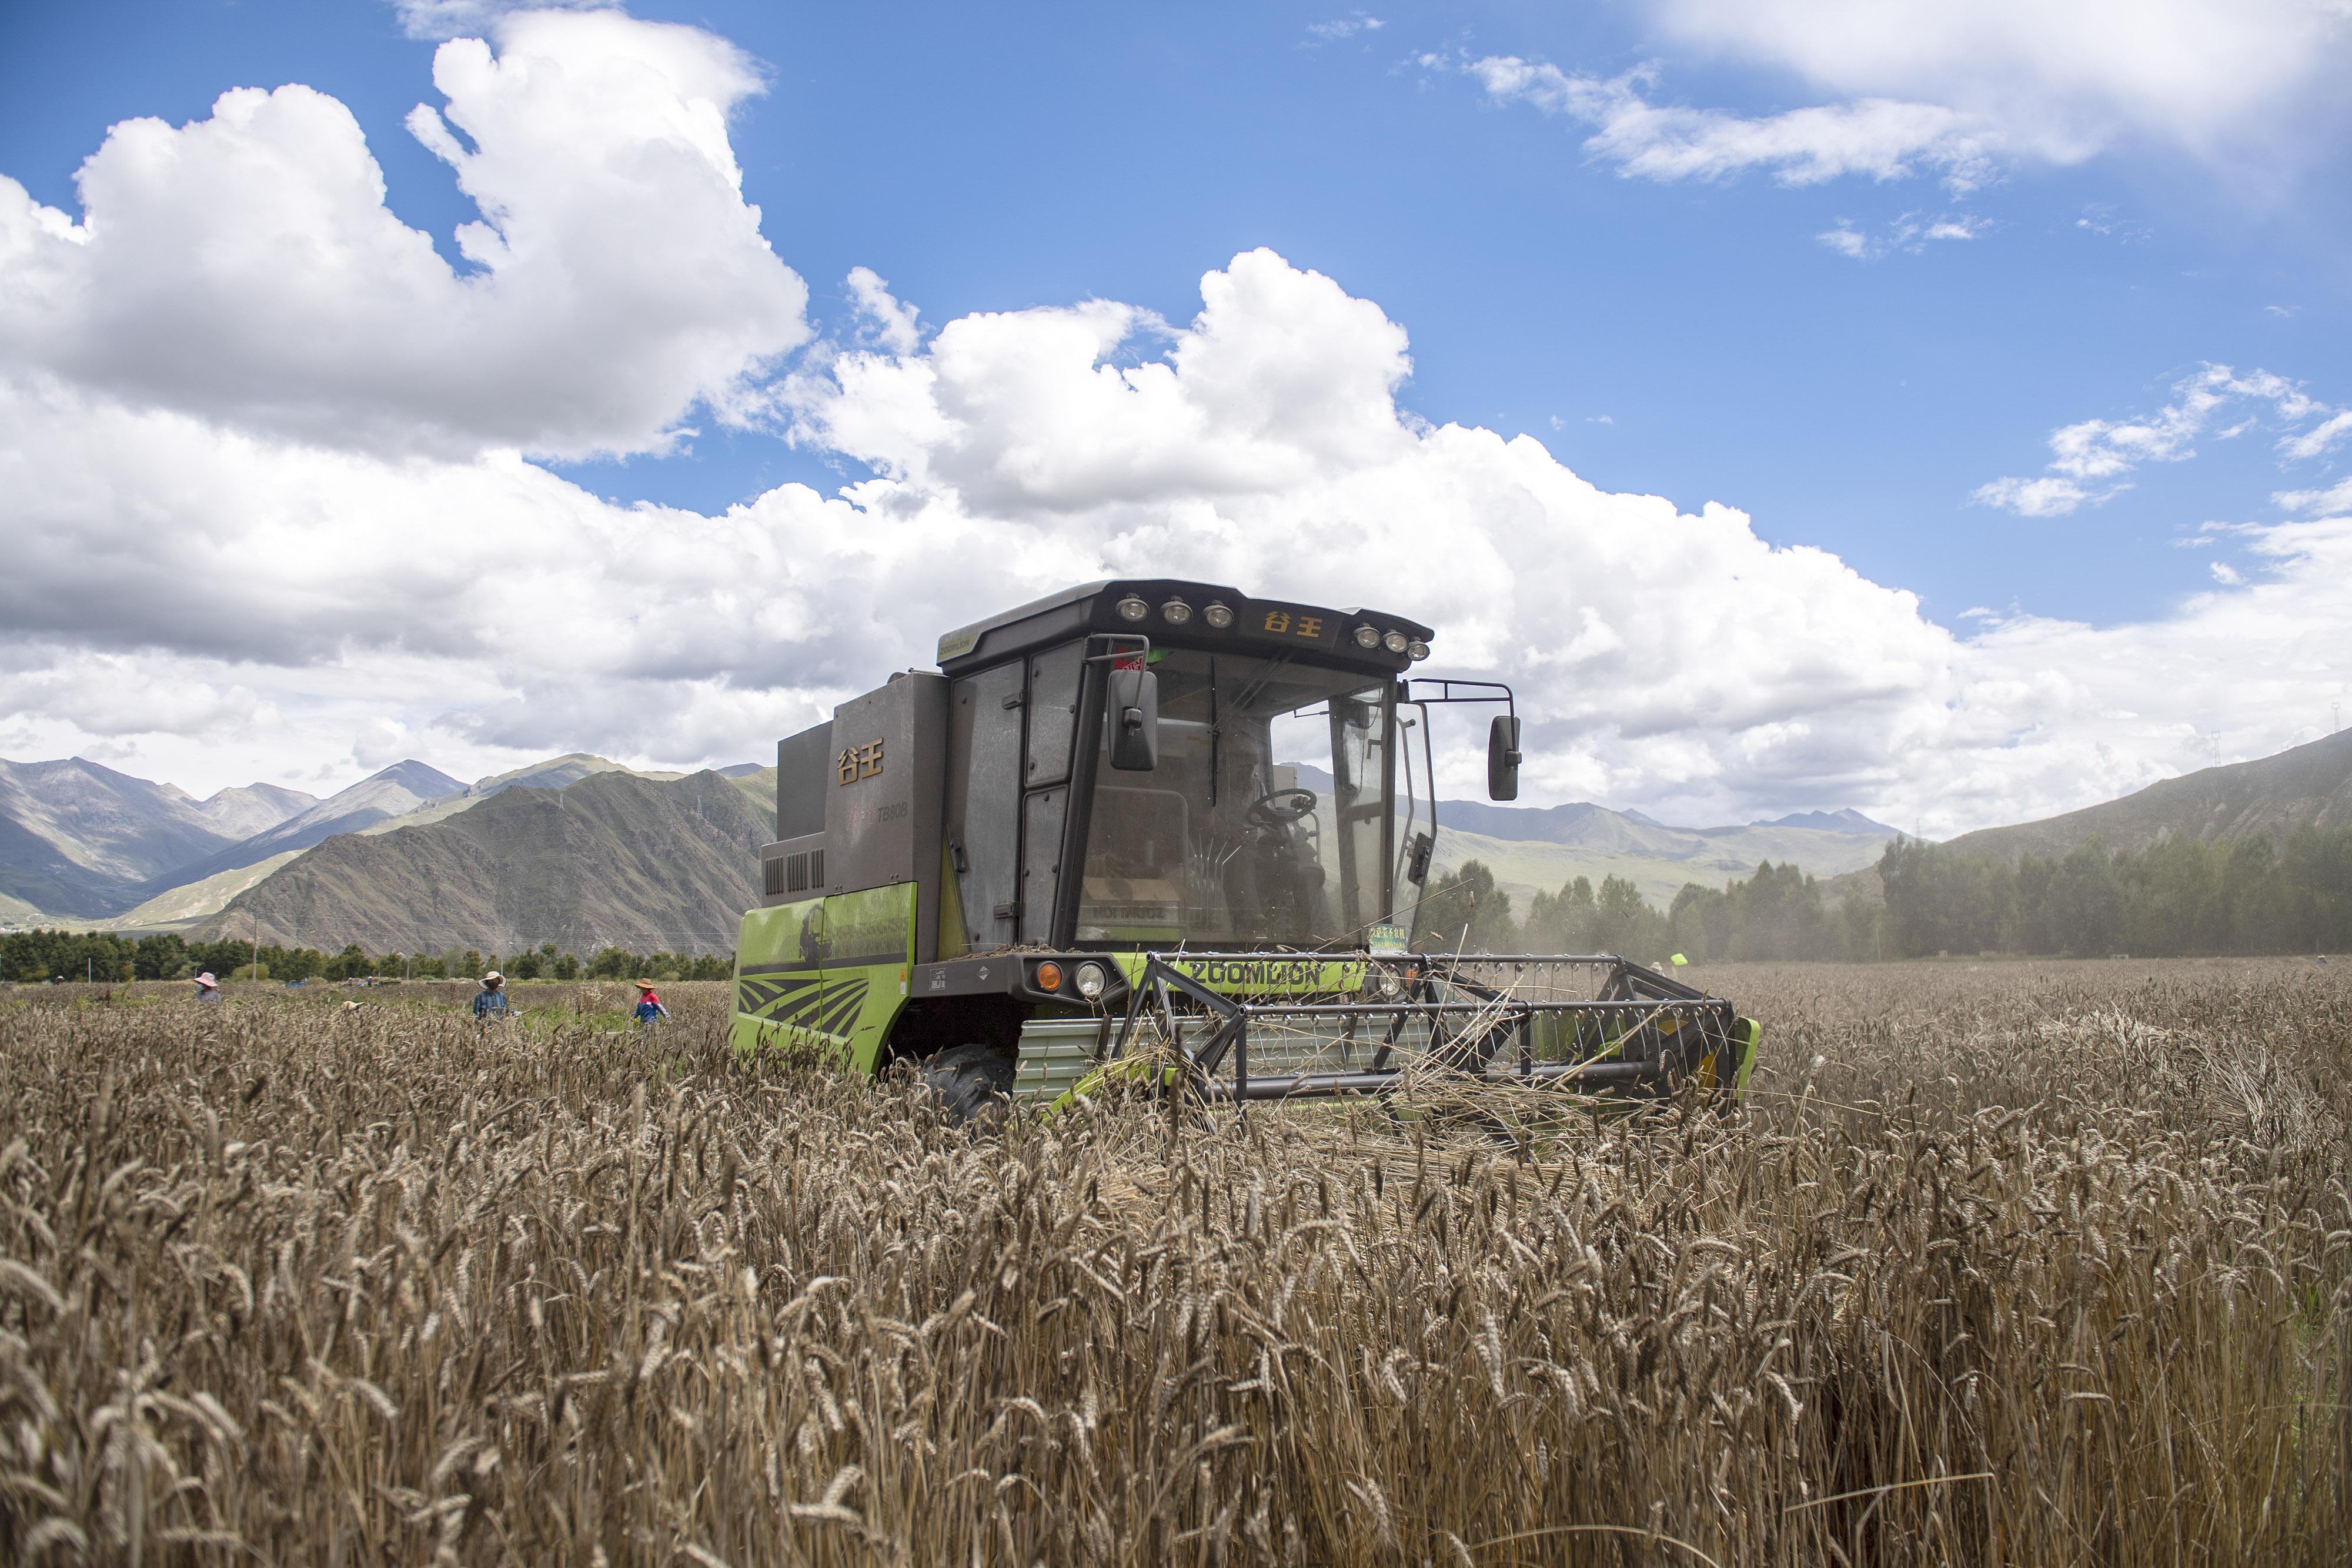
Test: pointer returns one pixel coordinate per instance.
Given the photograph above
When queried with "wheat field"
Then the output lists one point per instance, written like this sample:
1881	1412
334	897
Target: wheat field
2000	1264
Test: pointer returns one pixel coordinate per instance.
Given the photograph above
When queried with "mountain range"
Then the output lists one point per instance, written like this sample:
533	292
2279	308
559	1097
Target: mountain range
1542	848
614	860
2273	795
397	792
394	860
585	852
245	810
77	837
1847	820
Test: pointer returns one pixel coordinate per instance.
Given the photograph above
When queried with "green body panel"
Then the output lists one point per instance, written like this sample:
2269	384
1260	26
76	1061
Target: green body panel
1751	1041
825	972
869	942
1120	1069
1747	1036
1055	1055
777	976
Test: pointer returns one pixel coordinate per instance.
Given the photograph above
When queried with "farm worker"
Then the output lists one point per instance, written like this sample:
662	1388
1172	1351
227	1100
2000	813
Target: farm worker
490	1001
649	1005
207	989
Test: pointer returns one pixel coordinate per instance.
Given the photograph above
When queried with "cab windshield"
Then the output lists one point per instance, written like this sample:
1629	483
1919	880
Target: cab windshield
1266	822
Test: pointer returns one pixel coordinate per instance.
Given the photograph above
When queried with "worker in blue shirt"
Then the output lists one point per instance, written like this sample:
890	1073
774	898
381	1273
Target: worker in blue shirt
649	1005
490	1001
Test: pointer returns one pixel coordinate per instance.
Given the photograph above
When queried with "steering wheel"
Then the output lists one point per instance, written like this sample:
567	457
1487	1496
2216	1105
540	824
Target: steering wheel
1280	807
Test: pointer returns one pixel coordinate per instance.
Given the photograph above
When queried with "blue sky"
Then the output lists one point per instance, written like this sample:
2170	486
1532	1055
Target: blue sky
996	158
1696	337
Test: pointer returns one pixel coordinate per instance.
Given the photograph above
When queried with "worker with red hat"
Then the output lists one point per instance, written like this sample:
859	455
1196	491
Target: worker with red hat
649	1005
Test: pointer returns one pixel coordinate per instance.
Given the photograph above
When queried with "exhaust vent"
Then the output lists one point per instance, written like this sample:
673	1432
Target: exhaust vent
793	873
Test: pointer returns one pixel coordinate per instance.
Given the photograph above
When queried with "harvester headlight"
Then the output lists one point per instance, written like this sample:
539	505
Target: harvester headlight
1217	616
1133	608
1368	637
1175	612
1049	975
1394	642
1091	981
1417	648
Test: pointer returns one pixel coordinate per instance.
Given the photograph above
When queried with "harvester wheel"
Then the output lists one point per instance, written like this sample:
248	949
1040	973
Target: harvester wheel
973	1082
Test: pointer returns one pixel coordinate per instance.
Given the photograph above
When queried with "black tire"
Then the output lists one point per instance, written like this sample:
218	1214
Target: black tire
972	1083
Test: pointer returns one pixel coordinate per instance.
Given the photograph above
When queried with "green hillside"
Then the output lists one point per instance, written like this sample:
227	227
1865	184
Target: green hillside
194	900
759	788
1522	868
2310	783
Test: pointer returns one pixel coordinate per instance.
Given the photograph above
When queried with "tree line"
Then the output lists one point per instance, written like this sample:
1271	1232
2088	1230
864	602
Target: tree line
1777	913
2176	898
33	957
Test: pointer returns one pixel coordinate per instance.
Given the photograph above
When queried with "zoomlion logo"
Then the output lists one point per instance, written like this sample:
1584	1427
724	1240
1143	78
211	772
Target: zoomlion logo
1257	974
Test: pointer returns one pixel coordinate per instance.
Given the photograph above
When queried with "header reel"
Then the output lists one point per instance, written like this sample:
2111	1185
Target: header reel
1290	1026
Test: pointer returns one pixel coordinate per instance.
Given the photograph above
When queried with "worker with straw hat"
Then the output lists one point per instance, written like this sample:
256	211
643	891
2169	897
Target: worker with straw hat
490	1001
207	989
649	1005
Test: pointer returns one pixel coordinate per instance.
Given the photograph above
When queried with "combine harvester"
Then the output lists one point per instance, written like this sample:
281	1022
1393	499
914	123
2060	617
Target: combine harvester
1163	826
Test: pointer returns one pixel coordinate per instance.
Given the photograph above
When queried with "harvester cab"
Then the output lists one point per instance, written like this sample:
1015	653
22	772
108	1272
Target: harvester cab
1159	821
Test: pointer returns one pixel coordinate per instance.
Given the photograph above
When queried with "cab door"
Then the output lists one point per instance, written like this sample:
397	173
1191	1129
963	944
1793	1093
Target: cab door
982	846
867	944
780	974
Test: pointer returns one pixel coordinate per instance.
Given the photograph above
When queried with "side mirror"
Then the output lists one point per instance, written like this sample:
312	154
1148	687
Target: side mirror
1502	757
1416	870
1134	717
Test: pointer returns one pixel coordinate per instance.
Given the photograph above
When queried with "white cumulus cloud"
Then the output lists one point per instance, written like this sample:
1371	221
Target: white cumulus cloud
256	561
2057	79
245	267
884	321
1959	89
1665	656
